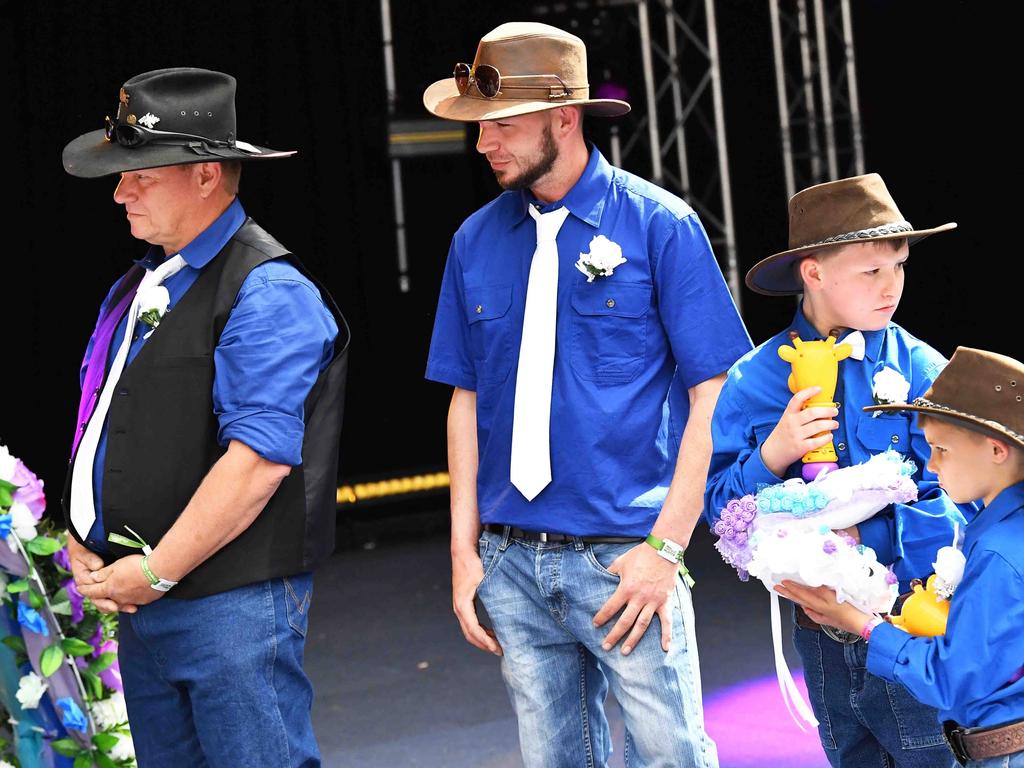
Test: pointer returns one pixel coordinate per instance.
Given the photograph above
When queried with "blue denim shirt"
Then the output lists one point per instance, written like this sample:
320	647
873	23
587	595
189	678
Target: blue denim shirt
276	341
756	393
966	673
665	317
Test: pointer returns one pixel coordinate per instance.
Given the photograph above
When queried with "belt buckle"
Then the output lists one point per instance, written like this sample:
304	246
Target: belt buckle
955	739
542	537
840	635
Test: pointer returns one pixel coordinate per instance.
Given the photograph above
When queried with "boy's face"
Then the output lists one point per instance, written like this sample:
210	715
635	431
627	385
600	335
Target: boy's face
858	286
962	459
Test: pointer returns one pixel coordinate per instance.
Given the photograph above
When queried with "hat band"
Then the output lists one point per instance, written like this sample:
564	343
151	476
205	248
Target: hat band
922	402
861	234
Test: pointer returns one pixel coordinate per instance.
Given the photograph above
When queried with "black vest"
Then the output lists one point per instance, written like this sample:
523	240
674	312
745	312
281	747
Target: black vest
162	436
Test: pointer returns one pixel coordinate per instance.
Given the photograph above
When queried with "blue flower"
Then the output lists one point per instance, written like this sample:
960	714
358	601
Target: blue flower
73	717
29	618
5	526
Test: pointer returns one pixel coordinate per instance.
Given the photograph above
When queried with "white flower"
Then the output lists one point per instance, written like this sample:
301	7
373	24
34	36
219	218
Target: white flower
23	522
153	303
605	255
889	386
5	764
949	570
7	464
30	690
109	712
124	749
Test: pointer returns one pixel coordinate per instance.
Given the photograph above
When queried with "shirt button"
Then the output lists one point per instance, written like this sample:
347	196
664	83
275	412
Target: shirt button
895	438
610	303
841	446
479	308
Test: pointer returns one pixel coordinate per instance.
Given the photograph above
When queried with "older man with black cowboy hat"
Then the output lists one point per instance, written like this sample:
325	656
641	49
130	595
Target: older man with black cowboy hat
200	493
585	326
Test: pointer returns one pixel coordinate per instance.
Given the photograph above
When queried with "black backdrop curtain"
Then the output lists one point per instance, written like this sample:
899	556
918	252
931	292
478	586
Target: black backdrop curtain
933	87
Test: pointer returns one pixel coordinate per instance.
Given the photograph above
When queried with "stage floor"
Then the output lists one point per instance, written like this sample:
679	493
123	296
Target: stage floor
396	684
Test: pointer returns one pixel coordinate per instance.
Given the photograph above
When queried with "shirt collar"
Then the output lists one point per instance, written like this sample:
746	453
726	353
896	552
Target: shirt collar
587	197
206	244
1009	501
872	339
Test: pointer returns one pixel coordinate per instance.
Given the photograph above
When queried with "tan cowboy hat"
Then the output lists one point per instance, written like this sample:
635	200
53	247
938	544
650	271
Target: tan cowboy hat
854	210
531	66
982	391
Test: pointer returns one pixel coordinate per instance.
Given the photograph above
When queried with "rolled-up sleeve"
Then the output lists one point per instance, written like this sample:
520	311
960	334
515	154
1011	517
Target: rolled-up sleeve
276	341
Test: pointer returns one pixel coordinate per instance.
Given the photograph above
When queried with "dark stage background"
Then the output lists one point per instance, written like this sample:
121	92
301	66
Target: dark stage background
933	88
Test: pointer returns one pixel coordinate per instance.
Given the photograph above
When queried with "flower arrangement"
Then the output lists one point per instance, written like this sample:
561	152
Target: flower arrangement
69	699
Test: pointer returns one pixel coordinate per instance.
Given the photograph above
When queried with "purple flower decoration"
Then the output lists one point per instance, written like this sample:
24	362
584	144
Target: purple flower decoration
719	528
73	718
890	577
76	599
734	506
829	547
740	525
60	557
728	516
96	641
741	538
30	493
111	676
29	618
749	504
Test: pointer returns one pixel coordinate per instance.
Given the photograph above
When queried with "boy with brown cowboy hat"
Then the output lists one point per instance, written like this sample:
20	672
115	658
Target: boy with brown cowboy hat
973	419
848	243
570	305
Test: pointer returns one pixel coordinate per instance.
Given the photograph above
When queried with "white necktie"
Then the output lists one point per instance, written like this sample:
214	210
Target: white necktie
531	419
83	506
856	340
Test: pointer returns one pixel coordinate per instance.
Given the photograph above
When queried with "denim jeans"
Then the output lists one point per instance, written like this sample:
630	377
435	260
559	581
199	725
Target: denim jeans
865	720
541	599
1016	760
217	682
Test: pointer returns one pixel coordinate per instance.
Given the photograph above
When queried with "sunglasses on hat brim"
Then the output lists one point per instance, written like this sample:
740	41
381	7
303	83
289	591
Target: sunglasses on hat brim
489	82
132	135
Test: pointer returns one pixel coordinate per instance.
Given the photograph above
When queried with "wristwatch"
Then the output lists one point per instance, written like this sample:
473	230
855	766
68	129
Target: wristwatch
669	550
160	585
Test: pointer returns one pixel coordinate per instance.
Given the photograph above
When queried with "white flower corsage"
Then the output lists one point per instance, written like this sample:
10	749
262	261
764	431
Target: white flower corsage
889	386
605	255
949	571
153	303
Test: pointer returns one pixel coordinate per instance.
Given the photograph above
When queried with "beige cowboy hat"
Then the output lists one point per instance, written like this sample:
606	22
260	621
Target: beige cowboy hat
979	390
520	67
855	210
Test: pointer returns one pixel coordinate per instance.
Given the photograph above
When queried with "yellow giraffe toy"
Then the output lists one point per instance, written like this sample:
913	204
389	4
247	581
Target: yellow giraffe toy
816	363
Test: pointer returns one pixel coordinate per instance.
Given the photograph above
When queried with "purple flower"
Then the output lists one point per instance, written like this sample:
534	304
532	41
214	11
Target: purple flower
76	599
719	528
890	578
730	532
60	557
740	525
29	618
96	641
73	718
728	516
111	676
30	493
749	504
733	506
829	547
741	538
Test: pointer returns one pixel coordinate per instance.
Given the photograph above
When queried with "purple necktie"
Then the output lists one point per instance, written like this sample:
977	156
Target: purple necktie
102	336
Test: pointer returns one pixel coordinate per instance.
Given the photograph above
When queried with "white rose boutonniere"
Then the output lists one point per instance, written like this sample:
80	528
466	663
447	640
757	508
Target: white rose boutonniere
31	688
605	255
153	306
889	386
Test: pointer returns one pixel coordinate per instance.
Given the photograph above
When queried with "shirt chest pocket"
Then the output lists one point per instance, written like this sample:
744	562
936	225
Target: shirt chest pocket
609	330
877	433
490	334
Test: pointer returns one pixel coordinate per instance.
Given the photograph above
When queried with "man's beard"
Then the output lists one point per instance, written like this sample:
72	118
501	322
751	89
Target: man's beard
531	174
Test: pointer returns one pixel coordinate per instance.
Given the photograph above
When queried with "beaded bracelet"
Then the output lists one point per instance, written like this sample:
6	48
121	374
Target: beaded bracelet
868	628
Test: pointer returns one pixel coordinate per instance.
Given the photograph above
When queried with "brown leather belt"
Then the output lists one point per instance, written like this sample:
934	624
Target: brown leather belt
982	743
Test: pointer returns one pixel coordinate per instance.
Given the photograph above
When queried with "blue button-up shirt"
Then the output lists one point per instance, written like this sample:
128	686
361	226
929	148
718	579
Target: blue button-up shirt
966	673
276	341
756	393
619	342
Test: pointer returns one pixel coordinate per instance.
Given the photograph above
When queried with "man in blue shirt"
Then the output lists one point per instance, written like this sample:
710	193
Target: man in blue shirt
848	246
207	438
593	319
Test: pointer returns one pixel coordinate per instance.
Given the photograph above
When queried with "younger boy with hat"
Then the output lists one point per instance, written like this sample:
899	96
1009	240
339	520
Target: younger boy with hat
973	419
848	245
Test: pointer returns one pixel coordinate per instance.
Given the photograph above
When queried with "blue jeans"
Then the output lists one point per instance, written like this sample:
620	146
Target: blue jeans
865	720
217	682
541	599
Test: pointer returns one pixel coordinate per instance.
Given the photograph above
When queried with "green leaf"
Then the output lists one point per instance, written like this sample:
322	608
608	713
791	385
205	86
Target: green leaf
18	586
34	598
5	498
16	644
62	608
105	741
43	545
102	661
93	684
84	760
8	486
60	597
103	761
76	647
66	747
50	659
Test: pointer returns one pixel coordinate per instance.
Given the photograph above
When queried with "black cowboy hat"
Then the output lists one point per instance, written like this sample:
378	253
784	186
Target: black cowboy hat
166	117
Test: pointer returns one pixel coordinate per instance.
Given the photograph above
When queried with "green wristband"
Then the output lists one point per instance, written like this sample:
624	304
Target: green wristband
153	580
672	552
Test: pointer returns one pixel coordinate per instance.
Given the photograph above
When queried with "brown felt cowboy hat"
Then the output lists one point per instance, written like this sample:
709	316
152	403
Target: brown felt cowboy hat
520	67
982	391
855	210
166	117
